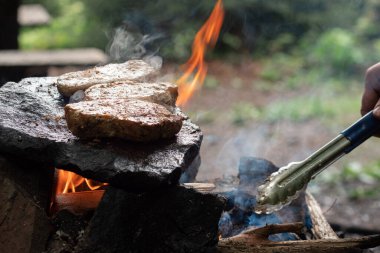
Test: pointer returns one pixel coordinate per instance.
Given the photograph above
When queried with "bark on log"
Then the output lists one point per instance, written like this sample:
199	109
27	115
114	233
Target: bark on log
317	246
256	241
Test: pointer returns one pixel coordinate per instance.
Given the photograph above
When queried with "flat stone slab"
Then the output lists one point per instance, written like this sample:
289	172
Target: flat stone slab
33	128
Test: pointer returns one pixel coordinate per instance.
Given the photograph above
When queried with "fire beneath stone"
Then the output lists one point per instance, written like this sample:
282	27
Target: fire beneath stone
68	181
196	68
75	193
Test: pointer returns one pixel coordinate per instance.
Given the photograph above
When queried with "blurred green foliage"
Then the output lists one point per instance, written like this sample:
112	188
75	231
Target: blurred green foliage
356	180
243	112
258	26
65	31
69	28
280	67
367	24
316	105
338	51
202	117
211	82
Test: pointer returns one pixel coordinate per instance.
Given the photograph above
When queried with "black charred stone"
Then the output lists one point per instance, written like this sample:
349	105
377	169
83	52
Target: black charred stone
169	220
32	126
252	173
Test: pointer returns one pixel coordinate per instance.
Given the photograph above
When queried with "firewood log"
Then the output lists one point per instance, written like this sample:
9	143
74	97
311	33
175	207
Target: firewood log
201	187
321	228
77	202
256	241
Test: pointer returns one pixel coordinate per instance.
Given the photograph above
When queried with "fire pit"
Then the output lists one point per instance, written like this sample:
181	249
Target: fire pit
60	193
138	197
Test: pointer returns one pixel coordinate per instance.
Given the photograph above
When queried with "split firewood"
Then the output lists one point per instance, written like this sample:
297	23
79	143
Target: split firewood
256	240
77	202
321	228
201	187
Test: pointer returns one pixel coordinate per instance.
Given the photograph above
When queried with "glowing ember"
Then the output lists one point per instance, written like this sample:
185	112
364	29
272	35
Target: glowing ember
70	182
195	67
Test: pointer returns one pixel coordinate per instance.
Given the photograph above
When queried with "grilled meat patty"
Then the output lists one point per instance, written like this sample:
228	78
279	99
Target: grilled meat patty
129	119
159	92
133	70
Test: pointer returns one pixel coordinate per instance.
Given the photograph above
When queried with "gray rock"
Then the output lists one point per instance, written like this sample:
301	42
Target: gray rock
32	126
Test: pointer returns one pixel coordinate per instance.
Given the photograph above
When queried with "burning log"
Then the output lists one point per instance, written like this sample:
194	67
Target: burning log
77	202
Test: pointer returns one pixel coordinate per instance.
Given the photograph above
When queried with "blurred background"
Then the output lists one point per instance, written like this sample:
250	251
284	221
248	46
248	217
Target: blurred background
285	76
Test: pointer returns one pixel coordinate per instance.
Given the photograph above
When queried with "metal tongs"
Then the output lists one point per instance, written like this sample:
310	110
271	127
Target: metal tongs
283	186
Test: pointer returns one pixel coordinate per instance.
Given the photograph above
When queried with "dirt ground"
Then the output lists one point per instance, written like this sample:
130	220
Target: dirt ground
281	142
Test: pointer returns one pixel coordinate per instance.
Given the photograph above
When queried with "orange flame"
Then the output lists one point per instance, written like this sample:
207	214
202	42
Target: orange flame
70	182
207	36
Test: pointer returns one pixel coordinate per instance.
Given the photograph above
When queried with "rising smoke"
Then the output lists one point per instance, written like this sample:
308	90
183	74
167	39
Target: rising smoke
133	41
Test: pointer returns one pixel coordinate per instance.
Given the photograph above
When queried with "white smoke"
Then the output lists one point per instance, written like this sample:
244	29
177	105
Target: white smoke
127	45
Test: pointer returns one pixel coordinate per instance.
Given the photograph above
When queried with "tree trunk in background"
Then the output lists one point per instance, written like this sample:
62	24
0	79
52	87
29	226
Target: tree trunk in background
9	26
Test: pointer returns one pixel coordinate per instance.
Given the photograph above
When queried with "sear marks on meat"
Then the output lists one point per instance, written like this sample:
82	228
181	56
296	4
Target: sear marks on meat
160	92
129	119
133	70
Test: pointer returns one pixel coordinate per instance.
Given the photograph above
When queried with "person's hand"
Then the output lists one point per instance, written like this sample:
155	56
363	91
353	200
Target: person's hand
371	95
